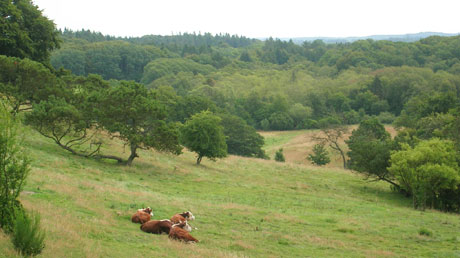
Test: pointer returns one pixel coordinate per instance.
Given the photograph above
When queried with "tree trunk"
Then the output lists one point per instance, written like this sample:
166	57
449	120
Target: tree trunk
344	159
198	160
335	145
133	155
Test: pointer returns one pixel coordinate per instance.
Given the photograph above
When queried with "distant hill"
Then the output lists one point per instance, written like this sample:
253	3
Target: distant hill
401	38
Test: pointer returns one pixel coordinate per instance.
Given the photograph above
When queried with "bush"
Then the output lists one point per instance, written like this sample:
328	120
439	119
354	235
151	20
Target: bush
427	171
320	155
279	155
14	167
28	238
425	232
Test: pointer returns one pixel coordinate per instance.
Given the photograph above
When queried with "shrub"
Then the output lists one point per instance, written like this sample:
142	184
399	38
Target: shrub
28	238
425	232
320	155
14	167
279	155
426	171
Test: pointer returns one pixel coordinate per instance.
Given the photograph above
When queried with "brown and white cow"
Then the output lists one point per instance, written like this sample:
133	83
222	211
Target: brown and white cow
178	232
142	215
186	215
183	217
157	226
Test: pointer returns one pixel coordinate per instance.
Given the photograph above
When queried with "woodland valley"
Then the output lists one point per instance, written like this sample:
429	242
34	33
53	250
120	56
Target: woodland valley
298	147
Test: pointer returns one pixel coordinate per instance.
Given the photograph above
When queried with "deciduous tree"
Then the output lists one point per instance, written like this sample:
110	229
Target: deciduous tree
204	134
134	114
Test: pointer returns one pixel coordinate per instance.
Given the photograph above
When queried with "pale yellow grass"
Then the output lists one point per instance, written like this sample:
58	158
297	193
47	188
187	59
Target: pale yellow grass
299	147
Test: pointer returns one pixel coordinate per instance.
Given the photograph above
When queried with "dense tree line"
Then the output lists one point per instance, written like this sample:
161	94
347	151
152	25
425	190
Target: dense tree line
275	85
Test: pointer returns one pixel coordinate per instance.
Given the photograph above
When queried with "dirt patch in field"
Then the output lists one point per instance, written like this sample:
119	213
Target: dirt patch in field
299	147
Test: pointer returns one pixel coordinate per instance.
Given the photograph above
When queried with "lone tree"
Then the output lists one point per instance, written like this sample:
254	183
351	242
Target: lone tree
14	168
279	156
134	114
332	135
203	134
370	147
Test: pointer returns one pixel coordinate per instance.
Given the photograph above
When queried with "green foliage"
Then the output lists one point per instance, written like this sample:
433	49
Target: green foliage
320	155
129	111
300	115
386	117
422	106
425	232
24	82
25	32
265	124
426	170
110	59
187	106
369	150
245	57
68	120
204	134
241	138
279	156
70	59
28	238
281	121
165	66
14	168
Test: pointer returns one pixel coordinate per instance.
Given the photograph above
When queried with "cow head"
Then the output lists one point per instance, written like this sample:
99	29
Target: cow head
147	210
188	215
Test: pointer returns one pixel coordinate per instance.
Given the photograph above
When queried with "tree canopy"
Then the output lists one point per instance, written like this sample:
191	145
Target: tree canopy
26	32
204	134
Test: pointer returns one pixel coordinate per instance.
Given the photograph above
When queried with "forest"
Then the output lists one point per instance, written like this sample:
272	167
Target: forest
279	85
211	93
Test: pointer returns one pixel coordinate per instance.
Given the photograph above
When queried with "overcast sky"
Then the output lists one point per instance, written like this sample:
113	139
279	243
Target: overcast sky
254	18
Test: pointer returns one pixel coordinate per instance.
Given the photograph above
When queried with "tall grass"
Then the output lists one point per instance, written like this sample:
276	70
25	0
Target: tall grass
28	238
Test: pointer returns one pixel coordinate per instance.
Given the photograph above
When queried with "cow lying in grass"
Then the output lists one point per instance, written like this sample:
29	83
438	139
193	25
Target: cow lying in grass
183	217
157	226
142	215
178	232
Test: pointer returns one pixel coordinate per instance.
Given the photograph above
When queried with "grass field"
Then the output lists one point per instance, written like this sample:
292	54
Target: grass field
244	207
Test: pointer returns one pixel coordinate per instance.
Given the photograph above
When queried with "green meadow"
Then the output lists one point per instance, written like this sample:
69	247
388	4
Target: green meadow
244	207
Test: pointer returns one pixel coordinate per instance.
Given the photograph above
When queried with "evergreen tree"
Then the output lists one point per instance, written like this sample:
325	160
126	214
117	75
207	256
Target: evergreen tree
320	155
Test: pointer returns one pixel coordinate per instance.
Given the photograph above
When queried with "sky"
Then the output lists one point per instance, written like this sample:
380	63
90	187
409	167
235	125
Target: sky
255	18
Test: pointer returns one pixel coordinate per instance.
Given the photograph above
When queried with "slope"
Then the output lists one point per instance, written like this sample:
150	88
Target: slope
244	208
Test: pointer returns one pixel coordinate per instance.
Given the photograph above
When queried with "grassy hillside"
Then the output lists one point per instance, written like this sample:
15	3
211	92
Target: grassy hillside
243	207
